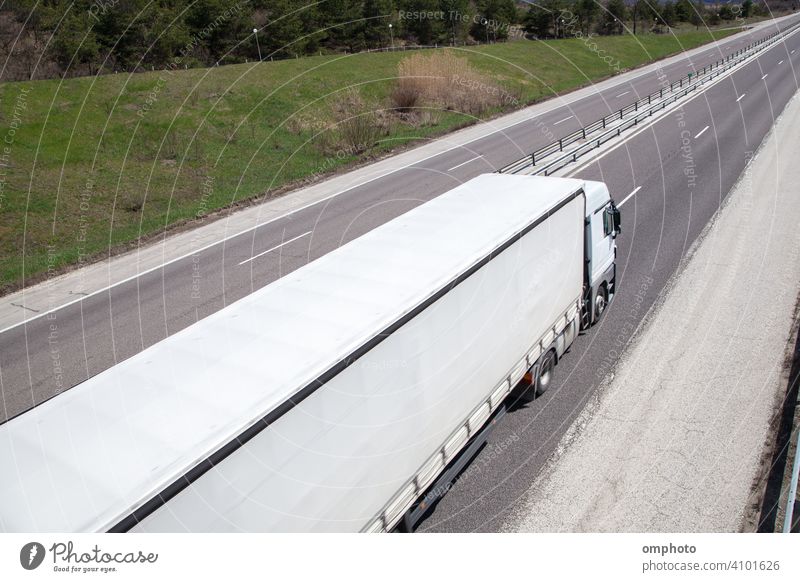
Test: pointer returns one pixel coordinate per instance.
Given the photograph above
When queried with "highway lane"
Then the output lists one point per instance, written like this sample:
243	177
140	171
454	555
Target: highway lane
53	353
679	192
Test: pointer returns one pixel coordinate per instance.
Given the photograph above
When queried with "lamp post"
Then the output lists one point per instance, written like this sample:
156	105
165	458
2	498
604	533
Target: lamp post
255	33
391	35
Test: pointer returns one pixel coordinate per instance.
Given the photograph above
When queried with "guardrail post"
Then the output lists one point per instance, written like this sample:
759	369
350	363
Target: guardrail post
604	123
584	132
620	113
648	99
560	145
533	159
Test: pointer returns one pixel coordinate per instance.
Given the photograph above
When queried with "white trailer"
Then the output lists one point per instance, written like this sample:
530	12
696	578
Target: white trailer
333	398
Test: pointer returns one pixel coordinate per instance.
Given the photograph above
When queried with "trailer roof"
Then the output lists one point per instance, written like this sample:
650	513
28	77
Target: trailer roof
85	459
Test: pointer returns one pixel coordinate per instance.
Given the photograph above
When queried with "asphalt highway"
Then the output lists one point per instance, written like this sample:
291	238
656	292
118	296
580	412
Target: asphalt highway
50	354
683	167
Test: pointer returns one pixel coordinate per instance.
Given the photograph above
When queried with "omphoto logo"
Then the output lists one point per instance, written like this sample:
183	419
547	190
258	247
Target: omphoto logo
31	555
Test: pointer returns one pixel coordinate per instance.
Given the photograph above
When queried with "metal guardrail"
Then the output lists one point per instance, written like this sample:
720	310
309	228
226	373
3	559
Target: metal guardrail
791	499
675	91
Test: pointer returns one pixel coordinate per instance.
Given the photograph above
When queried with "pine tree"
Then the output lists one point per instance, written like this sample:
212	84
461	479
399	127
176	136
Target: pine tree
283	34
75	43
343	23
458	15
537	22
586	11
377	15
613	17
422	29
494	19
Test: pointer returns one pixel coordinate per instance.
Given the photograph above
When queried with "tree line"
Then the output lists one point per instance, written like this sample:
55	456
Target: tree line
560	18
50	38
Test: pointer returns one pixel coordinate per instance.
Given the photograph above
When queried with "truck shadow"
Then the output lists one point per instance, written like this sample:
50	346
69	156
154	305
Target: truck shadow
520	398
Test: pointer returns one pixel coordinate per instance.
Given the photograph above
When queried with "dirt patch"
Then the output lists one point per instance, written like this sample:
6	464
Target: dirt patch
767	504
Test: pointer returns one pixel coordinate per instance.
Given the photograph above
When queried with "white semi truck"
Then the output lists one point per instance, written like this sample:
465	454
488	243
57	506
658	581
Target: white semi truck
334	398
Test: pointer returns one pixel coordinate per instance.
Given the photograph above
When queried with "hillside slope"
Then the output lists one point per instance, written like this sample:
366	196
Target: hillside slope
90	165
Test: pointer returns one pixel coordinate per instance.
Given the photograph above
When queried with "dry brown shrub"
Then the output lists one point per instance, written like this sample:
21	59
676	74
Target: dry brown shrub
405	96
428	117
356	125
443	79
307	122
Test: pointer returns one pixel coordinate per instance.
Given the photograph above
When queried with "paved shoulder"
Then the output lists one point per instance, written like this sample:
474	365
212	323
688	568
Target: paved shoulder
675	439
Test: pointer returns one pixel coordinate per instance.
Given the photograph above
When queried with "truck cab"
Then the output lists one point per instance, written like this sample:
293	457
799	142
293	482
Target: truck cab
602	228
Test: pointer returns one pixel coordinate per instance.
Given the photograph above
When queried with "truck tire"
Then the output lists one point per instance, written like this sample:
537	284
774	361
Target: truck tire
546	370
600	302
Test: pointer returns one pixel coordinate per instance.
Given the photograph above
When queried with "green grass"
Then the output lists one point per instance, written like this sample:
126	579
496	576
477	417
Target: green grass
85	174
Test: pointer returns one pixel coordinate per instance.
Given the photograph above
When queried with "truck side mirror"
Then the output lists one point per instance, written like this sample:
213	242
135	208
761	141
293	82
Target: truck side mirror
611	221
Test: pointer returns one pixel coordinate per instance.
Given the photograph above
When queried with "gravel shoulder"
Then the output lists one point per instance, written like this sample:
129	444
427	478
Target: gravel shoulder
676	438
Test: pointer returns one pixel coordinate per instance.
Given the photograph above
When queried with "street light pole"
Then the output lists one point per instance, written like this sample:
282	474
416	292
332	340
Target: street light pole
255	33
391	35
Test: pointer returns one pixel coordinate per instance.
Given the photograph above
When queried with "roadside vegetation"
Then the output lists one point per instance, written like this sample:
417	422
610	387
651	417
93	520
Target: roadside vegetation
93	165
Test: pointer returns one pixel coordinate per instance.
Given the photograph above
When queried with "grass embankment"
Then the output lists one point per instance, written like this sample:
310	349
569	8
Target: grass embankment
89	165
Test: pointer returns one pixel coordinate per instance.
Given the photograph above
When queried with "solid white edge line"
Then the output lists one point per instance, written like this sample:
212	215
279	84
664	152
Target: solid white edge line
464	163
629	196
647	69
563	120
276	247
702	131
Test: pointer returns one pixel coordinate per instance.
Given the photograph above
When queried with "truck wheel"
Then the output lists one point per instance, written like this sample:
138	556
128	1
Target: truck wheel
546	369
600	302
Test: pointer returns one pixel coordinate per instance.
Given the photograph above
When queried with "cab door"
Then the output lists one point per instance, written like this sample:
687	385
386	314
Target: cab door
602	242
